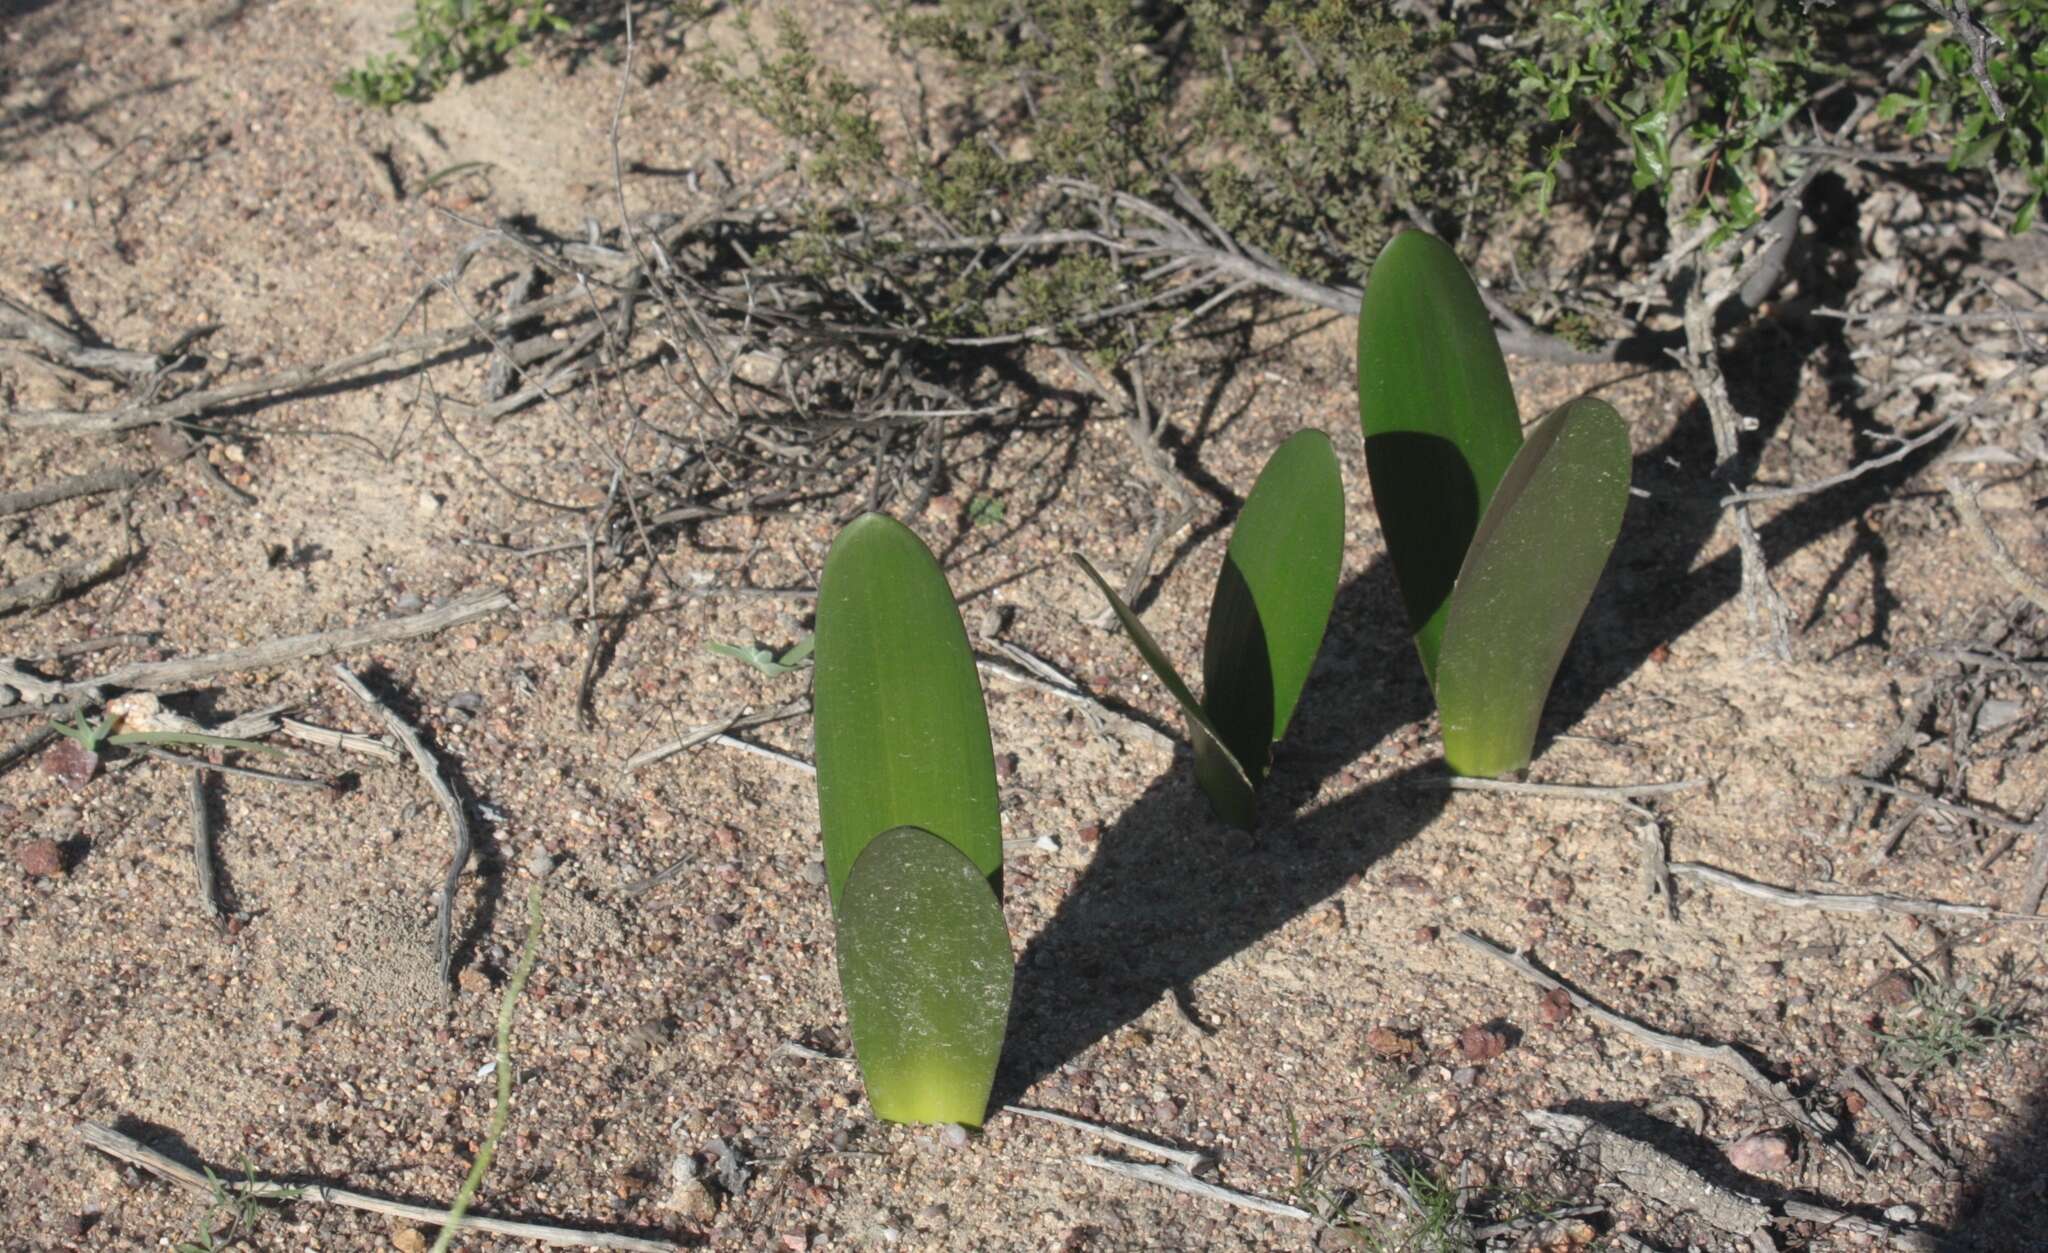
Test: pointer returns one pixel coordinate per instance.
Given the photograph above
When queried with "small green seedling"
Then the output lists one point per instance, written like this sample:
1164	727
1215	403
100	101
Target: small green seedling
913	837
89	733
767	660
1273	599
1497	541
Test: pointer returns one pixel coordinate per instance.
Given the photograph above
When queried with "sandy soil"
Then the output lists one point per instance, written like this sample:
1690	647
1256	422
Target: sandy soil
1278	1002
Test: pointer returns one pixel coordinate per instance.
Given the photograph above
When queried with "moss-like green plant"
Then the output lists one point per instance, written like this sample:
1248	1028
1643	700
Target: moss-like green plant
913	839
1272	601
1497	541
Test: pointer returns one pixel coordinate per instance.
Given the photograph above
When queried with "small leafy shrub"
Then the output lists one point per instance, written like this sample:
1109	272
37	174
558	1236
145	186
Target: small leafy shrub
1713	102
1266	621
446	40
1496	541
913	839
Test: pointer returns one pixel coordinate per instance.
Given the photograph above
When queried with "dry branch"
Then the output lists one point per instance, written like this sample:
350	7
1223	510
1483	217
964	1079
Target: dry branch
1842	903
43	590
93	484
184	672
124	1148
23	322
2016	577
1820	1126
347	741
1894	1116
193	404
1179	1180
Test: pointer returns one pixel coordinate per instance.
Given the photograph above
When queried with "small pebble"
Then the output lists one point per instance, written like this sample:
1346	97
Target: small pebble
540	863
954	1136
40	859
1090	833
1765	1153
814	873
1479	1043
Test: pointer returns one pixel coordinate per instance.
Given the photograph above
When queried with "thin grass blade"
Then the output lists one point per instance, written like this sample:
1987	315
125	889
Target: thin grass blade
1223	780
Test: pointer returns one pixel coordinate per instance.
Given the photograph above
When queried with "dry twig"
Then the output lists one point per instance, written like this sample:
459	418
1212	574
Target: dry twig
126	1149
1901	1123
43	590
451	804
1820	1126
347	741
2016	577
202	844
1842	903
1179	1180
181	672
93	484
1187	1160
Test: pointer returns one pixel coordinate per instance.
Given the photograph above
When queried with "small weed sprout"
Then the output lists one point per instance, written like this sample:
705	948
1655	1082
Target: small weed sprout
241	1208
765	659
1949	1024
1437	1218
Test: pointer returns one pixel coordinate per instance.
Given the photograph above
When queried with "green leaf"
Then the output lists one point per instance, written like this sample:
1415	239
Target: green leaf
1525	584
1223	780
987	511
1439	420
764	659
902	735
1273	598
924	963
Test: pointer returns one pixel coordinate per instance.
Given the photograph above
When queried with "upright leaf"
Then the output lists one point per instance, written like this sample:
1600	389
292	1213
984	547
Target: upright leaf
902	735
1439	420
1525	584
1273	598
924	963
1217	770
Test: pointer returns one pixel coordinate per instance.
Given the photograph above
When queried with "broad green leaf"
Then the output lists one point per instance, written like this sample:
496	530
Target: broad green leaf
924	962
1439	420
1525	584
1222	778
1273	598
902	735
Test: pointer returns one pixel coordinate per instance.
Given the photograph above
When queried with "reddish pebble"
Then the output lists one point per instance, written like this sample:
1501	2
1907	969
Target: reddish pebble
40	859
1425	935
1555	1008
1765	1153
1479	1044
1090	833
1006	765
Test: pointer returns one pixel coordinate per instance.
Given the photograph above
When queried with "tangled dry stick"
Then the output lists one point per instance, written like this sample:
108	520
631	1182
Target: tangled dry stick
127	1149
